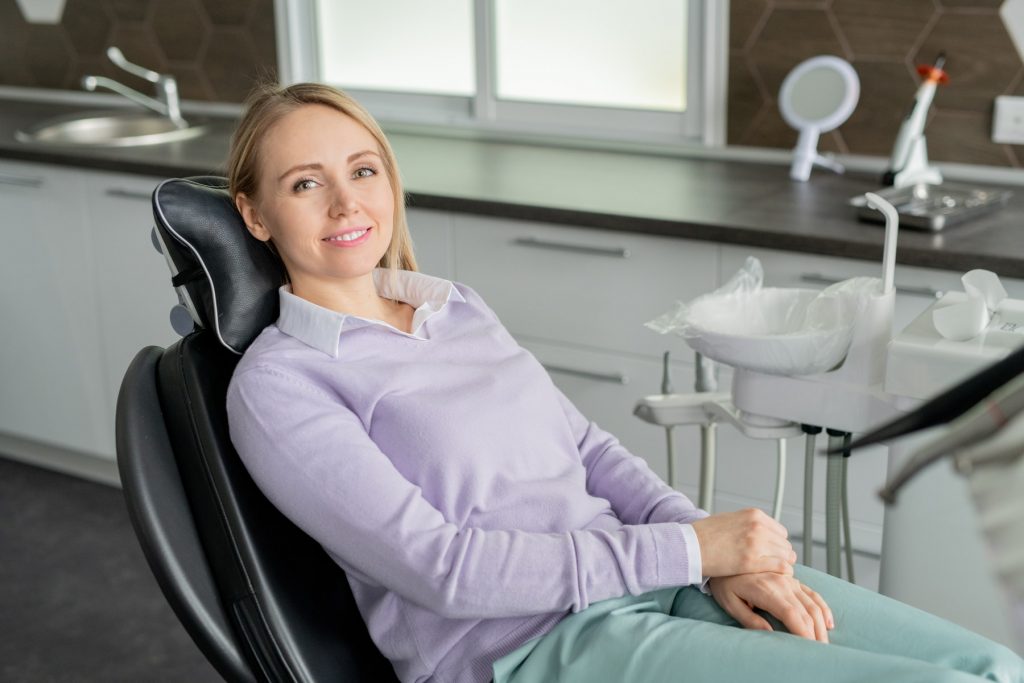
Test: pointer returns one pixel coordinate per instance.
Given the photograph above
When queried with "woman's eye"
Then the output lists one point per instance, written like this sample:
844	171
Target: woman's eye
304	184
365	172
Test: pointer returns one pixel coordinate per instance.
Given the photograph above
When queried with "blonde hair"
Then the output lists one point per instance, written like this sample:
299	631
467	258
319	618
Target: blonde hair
269	104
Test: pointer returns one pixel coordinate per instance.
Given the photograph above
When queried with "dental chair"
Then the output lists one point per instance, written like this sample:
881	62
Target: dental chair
261	599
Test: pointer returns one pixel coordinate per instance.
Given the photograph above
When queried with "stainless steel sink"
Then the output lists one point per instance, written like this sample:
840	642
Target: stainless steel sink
108	129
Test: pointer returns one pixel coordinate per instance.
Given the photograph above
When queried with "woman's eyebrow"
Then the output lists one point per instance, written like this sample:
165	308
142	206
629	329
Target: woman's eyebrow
301	167
316	166
353	157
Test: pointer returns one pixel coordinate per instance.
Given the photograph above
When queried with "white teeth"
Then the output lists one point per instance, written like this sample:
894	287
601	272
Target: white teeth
347	237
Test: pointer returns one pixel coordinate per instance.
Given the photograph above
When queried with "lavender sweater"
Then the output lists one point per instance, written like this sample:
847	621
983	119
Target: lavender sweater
470	504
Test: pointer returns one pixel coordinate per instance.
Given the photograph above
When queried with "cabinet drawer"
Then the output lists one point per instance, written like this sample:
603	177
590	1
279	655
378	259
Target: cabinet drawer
581	286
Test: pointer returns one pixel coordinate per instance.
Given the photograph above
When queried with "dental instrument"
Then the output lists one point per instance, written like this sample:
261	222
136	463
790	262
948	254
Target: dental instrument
909	162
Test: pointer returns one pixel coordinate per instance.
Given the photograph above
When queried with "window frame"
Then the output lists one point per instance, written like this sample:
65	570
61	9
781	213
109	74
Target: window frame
702	124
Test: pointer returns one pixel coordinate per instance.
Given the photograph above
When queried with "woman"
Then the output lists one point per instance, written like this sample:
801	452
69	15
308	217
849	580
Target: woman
486	527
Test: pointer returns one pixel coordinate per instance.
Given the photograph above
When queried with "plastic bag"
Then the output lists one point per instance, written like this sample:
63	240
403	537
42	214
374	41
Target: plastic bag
772	330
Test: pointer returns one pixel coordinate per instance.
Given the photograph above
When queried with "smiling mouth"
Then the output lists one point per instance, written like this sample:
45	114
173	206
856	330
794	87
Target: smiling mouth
351	238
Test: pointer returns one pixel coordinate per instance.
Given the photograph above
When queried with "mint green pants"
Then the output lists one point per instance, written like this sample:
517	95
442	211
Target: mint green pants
681	634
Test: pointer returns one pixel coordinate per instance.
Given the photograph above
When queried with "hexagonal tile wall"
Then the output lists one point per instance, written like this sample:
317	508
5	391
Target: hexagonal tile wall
884	40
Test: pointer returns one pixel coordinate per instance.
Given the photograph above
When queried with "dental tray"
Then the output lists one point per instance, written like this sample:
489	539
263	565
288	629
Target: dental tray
934	207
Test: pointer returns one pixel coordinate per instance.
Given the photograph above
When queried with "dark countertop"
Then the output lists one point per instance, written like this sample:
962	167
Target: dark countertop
754	204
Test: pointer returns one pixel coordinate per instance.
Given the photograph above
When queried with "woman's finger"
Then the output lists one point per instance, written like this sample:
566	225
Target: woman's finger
739	610
830	620
815	612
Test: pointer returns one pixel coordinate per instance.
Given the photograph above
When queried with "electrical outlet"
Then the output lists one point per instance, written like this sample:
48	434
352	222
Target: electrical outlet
1008	120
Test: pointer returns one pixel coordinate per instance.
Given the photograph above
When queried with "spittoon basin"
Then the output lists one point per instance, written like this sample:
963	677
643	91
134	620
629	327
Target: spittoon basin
778	331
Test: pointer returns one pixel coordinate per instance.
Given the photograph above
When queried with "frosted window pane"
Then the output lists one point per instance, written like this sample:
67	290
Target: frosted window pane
403	45
622	54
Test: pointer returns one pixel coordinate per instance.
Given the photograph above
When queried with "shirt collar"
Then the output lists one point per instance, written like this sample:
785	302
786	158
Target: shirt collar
321	327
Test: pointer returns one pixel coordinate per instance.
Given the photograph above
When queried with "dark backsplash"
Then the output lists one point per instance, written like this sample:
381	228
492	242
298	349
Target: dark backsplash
884	40
218	49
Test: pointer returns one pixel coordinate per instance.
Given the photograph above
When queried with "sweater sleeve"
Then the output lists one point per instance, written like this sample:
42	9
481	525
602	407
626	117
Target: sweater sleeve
314	460
637	495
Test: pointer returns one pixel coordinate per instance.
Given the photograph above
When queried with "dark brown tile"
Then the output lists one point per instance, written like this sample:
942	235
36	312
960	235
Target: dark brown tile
981	59
886	93
137	43
181	29
882	28
88	26
1016	153
833	142
230	64
744	17
129	10
192	84
745	98
789	37
964	137
801	4
227	12
13	36
261	29
971	4
47	56
770	130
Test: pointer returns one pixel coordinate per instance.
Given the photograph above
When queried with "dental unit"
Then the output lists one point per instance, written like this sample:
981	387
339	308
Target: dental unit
832	358
909	162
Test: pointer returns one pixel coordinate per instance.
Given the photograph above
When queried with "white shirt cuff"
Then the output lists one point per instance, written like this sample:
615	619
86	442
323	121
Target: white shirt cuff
693	561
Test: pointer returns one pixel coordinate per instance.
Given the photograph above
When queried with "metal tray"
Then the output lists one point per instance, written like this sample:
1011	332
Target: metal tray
934	207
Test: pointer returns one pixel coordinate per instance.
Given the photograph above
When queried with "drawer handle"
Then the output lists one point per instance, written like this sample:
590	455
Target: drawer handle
20	182
613	378
616	252
929	292
128	194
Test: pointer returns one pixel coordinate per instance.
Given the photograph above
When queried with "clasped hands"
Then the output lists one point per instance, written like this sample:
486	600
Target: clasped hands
750	561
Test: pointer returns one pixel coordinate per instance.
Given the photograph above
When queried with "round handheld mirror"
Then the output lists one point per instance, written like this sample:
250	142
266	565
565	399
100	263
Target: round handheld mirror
818	95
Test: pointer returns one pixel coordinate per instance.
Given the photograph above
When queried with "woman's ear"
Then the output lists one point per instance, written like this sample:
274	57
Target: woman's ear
247	208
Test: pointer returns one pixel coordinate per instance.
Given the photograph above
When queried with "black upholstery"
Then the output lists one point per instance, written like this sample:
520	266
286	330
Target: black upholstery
261	599
226	278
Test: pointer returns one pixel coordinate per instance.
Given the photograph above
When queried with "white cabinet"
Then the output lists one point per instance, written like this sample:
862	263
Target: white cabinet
133	289
50	374
593	288
432	241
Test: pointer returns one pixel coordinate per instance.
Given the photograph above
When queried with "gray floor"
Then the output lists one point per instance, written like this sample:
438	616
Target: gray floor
77	600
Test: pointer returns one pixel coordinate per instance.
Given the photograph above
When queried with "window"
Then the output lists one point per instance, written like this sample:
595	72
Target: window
648	71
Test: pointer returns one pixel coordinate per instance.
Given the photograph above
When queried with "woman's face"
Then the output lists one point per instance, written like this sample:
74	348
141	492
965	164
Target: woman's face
324	197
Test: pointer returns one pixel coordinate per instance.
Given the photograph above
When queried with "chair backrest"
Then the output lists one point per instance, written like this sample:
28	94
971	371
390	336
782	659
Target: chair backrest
262	600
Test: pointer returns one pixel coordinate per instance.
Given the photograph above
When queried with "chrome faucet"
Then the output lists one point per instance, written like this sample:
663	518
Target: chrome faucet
166	102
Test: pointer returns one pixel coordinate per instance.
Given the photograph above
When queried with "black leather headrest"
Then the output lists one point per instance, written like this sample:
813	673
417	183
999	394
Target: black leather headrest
225	277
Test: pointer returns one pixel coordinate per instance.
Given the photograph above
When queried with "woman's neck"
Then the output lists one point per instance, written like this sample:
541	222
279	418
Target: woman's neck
357	297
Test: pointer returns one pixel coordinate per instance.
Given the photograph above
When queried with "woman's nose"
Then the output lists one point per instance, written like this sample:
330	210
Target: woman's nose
343	202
